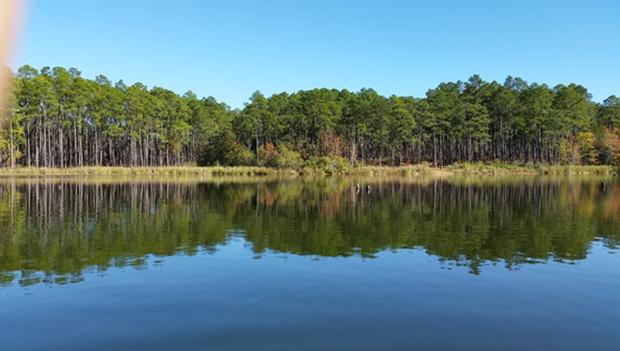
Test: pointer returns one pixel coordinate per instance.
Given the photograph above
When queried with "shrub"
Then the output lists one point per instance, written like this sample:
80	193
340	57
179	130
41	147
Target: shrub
268	155
329	164
564	151
240	155
608	144
288	158
587	149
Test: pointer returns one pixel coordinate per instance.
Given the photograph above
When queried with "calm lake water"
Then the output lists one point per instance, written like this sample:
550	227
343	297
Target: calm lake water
311	264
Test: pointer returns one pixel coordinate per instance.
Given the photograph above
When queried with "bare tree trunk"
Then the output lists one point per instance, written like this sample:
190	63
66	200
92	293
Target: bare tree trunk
12	144
61	146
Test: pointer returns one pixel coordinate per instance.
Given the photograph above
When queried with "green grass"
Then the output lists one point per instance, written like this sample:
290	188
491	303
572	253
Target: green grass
410	170
130	171
509	168
325	168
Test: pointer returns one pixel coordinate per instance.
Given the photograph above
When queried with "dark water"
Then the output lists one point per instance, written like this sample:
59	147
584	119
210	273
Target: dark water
452	264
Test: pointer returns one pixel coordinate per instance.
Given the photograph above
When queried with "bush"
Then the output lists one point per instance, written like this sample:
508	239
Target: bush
329	164
267	156
288	158
587	149
565	151
240	155
218	149
608	145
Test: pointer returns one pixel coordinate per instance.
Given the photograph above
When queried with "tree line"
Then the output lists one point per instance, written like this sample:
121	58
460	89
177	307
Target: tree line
57	118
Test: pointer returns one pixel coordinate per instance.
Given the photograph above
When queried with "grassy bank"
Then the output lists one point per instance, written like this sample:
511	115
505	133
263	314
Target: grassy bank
145	171
218	171
362	170
508	168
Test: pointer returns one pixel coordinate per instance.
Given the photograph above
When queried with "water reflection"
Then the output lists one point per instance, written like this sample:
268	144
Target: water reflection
52	231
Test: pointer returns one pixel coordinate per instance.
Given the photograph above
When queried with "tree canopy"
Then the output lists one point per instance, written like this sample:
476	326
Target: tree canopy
57	118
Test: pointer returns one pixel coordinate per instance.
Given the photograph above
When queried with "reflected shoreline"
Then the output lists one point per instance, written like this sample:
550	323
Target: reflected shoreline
62	227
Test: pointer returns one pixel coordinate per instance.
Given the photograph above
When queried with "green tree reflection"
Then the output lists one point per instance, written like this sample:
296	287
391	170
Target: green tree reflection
52	231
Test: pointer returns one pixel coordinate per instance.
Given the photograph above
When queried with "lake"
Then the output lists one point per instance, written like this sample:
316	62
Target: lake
505	263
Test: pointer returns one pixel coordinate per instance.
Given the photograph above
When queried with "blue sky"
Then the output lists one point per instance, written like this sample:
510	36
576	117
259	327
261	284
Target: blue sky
228	49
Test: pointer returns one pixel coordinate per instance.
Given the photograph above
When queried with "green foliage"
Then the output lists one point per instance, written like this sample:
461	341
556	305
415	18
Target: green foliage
587	149
609	112
220	148
59	119
239	155
288	158
565	151
328	165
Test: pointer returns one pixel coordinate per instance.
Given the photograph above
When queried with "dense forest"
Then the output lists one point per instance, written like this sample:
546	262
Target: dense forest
56	118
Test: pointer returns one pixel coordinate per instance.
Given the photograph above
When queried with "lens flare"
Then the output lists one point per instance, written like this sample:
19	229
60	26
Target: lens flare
10	21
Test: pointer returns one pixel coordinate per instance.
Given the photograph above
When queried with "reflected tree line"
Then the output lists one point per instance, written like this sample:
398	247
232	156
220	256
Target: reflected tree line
54	231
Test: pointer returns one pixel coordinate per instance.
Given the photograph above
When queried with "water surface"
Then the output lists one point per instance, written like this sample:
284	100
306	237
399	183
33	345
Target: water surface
310	264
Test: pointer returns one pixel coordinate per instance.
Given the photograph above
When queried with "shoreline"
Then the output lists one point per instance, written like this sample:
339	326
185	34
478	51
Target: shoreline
251	171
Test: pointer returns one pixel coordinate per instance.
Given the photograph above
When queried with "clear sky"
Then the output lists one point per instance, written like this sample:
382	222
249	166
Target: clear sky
228	49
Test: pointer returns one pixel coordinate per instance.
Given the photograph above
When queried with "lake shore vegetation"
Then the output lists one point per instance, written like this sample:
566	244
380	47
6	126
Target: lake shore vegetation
59	120
334	168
